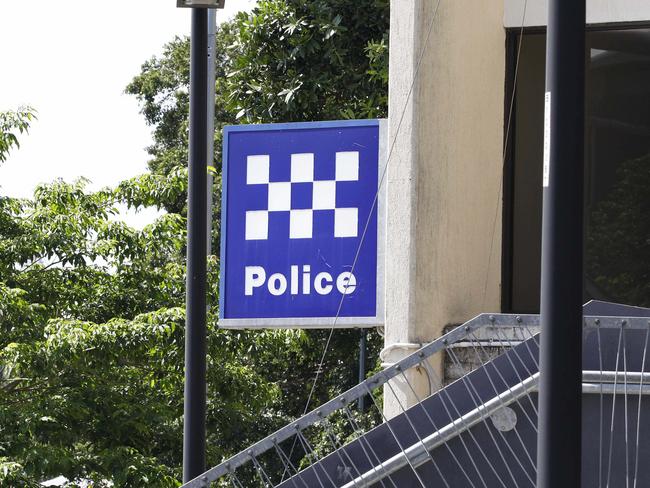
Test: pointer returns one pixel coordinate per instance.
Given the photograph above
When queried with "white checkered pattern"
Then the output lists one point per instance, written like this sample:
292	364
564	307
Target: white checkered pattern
301	221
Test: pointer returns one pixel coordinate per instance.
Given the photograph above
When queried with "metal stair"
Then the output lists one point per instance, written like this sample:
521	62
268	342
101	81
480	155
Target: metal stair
478	431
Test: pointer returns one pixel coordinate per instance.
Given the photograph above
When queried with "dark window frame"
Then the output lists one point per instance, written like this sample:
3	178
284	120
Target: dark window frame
509	135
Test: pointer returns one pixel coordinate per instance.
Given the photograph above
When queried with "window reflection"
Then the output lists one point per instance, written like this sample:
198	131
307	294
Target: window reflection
618	167
617	170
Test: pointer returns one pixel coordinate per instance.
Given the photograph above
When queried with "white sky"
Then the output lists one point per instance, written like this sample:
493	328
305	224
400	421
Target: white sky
71	60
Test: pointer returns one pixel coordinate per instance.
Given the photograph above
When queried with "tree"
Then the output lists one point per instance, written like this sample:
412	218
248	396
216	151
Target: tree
287	60
91	317
91	343
294	60
618	248
12	124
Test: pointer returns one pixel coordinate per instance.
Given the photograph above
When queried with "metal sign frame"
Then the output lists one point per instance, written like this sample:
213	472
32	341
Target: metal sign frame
379	208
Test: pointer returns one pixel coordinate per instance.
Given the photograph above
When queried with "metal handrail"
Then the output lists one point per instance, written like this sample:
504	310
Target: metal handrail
381	378
606	382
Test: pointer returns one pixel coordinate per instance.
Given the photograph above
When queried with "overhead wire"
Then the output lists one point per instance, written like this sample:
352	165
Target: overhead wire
638	416
505	148
614	395
389	158
372	209
382	178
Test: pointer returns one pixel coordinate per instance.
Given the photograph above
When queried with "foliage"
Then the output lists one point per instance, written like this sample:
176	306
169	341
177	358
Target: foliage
91	329
618	248
91	344
13	474
75	259
287	60
91	350
293	60
12	124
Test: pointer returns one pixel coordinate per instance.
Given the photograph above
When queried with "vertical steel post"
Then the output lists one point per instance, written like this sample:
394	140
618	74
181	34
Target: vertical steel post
195	329
362	366
560	407
212	32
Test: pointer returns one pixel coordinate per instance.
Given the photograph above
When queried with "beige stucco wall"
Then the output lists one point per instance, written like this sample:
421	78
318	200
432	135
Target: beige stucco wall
444	189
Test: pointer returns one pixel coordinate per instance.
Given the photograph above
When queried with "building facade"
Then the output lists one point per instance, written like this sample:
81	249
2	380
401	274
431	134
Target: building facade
464	180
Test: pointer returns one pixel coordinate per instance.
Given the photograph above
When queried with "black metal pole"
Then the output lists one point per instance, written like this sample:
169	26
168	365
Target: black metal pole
560	407
362	366
195	330
212	33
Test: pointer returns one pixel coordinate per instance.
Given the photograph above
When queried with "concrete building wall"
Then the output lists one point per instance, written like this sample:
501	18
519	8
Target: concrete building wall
444	178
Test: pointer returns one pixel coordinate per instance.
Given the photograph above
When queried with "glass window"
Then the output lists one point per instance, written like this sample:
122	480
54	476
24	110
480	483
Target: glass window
617	171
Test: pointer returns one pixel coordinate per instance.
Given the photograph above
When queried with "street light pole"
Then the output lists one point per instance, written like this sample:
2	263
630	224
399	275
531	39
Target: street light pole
202	54
362	365
212	33
195	330
559	459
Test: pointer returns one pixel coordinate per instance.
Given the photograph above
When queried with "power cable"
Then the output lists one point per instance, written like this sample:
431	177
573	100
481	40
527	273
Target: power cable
372	208
505	149
383	177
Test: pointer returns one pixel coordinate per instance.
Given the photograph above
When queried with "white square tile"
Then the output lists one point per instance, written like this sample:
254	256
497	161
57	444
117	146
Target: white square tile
324	195
279	196
257	225
347	166
257	169
302	168
300	224
346	222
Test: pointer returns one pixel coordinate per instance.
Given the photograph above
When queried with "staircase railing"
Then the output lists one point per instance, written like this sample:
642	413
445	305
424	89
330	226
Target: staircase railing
331	446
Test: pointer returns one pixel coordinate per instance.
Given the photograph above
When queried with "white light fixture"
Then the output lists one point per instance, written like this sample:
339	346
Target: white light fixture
200	3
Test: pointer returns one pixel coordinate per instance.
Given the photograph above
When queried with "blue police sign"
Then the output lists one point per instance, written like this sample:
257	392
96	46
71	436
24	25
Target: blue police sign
301	223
